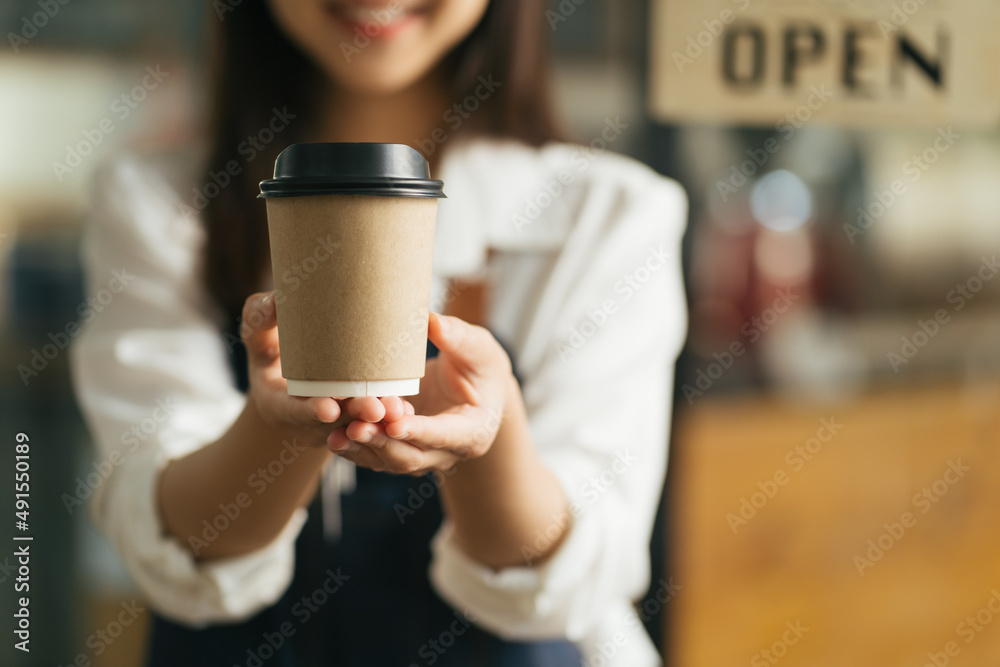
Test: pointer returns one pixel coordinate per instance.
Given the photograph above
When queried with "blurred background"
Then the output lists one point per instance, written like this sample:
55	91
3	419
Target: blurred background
843	361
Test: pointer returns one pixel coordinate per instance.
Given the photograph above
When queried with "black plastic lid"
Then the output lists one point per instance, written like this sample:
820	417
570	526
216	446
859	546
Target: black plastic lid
391	170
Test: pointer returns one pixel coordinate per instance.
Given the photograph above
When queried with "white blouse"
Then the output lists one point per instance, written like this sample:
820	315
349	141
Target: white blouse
586	291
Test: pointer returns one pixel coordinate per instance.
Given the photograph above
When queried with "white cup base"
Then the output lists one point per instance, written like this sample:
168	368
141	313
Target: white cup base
349	389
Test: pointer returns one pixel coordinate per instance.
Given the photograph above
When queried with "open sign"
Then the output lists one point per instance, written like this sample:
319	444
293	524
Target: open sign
921	62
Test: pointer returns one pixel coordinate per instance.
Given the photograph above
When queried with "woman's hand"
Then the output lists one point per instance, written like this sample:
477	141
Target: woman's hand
310	419
455	417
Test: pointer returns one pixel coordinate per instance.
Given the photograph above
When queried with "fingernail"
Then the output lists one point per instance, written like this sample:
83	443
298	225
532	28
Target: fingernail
345	447
364	438
444	323
402	436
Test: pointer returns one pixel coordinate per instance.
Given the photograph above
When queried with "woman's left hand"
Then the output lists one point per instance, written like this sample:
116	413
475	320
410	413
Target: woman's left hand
455	417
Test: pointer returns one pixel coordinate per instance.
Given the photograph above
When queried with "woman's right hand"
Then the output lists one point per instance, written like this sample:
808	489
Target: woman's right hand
311	419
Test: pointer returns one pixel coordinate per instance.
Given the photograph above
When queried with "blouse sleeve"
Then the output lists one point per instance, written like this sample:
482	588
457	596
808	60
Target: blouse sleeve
151	376
597	369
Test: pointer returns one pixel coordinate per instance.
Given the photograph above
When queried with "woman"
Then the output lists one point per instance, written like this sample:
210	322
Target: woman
529	543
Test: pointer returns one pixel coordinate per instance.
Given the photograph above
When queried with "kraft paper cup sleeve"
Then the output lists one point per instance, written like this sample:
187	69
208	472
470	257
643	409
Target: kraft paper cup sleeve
354	274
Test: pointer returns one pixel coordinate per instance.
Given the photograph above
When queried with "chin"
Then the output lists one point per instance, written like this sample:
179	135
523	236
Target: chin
381	78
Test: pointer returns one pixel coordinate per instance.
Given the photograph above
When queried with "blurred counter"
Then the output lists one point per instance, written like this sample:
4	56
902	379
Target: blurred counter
861	533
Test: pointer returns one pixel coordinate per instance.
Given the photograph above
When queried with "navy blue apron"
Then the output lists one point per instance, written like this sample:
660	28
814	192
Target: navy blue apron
363	600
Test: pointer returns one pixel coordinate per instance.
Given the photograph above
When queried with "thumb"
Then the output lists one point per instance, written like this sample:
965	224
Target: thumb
472	351
259	328
456	337
446	332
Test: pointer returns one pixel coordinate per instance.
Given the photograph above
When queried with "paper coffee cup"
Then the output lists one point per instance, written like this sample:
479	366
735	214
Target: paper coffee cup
351	229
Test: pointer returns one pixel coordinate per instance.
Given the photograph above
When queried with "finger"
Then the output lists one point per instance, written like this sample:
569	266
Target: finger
465	432
359	455
394	408
408	408
311	411
259	328
398	457
365	408
338	441
362	432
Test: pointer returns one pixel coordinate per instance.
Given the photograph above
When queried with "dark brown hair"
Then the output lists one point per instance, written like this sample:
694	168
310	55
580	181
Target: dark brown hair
258	70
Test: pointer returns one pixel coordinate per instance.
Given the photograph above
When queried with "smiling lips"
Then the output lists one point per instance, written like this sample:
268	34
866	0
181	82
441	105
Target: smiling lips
377	20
